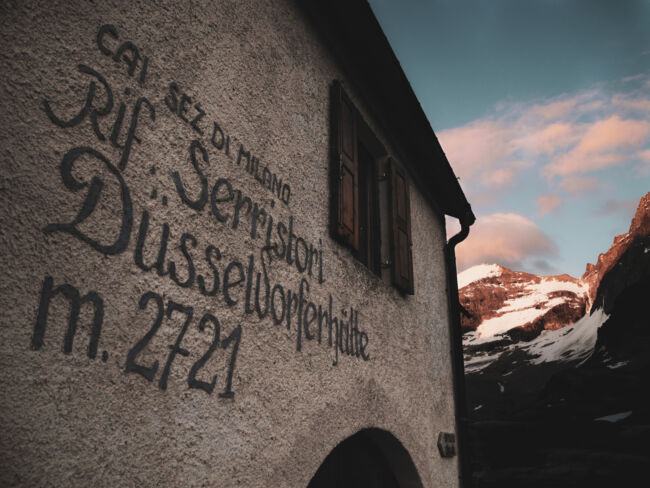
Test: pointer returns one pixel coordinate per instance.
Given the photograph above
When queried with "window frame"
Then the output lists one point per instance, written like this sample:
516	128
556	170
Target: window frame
355	208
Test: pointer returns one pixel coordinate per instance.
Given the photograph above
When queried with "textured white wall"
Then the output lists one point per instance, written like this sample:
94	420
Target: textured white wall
257	70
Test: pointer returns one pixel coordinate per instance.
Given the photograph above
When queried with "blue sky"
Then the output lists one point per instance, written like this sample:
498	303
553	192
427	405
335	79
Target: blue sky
543	109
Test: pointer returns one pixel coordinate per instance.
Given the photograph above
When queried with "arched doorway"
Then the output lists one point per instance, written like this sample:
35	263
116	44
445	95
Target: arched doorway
371	458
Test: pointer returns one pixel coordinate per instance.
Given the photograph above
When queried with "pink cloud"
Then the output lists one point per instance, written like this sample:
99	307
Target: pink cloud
614	133
561	109
505	239
626	207
579	185
566	136
601	146
550	139
576	162
498	178
632	104
476	146
553	110
493	178
637	77
645	156
547	203
491	152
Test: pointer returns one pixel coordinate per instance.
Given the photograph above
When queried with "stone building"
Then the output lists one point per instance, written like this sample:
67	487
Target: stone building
224	246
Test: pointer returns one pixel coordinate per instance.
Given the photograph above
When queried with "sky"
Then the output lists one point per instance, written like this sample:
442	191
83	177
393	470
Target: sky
543	110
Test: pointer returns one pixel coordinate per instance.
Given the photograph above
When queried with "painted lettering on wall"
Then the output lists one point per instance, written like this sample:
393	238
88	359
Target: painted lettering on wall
238	283
182	105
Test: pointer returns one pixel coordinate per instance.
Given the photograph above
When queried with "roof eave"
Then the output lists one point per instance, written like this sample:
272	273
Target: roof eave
359	44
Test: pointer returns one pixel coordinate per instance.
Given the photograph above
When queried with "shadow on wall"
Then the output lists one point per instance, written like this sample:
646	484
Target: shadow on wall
371	458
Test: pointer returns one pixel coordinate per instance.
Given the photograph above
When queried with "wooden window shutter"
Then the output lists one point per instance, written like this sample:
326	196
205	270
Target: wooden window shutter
401	227
344	169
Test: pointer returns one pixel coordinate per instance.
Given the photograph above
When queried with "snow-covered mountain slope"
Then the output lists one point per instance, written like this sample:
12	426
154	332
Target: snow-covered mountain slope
572	343
478	273
547	318
500	300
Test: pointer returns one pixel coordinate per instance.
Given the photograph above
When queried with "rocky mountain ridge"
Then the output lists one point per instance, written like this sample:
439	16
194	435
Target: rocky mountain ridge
502	304
639	229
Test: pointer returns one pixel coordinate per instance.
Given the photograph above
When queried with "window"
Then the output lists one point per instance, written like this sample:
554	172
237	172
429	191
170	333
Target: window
369	223
401	230
355	219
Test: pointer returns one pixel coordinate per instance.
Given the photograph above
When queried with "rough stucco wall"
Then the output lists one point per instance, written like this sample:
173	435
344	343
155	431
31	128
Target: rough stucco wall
258	71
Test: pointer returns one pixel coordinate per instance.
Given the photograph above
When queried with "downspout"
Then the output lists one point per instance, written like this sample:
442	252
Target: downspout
458	368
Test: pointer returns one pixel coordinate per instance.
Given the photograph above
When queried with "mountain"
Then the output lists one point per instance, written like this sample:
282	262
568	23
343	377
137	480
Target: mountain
557	370
639	231
506	310
623	292
521	305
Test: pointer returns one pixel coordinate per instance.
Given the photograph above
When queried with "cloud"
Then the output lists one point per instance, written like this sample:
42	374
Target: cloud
604	143
633	104
549	139
553	110
504	238
498	178
626	207
568	137
578	162
544	267
570	141
547	203
645	156
577	185
476	147
638	76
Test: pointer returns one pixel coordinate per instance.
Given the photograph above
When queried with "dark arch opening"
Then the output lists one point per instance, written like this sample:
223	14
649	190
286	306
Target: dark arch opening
371	458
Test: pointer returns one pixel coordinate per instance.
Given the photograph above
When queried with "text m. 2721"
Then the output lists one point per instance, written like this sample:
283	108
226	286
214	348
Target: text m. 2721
187	312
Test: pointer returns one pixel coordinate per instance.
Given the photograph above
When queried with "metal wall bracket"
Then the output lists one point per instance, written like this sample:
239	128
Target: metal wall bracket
447	444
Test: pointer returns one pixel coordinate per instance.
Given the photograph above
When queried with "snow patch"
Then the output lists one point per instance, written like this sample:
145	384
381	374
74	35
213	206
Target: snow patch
615	417
573	342
532	303
510	320
576	341
537	293
478	272
548	286
478	360
618	365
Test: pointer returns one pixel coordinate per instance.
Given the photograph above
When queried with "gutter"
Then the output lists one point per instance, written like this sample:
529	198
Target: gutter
458	368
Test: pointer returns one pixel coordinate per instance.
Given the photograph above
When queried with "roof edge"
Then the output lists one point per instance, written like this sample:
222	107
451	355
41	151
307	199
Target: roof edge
352	32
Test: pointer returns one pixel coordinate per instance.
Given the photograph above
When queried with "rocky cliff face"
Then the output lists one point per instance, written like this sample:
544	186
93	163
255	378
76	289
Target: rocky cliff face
639	229
623	294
